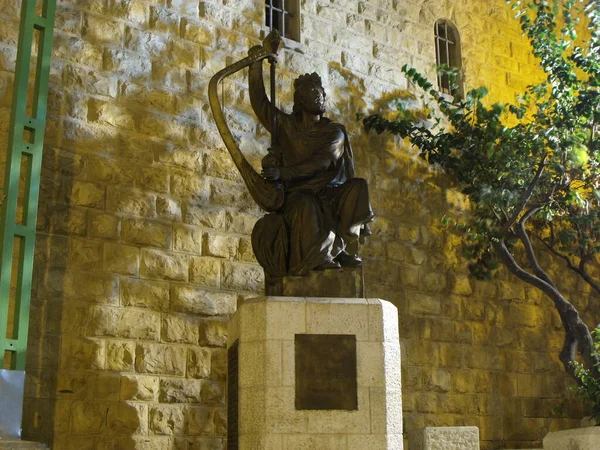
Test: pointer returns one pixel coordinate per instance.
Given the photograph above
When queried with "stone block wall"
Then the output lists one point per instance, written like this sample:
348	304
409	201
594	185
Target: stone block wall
144	224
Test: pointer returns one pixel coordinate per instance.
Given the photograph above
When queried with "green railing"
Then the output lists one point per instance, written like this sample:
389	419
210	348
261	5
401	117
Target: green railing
22	178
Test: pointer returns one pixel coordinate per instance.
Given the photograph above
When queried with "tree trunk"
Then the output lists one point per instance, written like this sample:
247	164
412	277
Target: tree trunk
578	336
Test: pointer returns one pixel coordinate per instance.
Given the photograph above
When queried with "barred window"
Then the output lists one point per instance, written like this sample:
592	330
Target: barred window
447	52
283	15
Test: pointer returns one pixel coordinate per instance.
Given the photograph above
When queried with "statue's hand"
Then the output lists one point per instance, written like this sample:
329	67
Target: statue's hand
272	173
257	51
273	43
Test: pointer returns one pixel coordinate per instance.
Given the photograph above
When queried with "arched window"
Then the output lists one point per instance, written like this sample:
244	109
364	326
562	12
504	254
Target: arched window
447	52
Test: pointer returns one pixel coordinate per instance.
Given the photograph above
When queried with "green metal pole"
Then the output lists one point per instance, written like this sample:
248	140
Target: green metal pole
29	152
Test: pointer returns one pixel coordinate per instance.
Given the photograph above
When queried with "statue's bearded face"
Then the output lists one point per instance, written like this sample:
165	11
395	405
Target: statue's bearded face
312	99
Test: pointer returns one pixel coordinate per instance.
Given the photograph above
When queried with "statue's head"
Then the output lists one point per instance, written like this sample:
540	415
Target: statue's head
309	94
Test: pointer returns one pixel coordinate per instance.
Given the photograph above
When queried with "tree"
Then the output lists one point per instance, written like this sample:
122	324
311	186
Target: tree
530	168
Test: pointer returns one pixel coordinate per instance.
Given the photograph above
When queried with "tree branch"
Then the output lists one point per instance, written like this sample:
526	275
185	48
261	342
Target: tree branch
574	327
578	270
527	194
524	237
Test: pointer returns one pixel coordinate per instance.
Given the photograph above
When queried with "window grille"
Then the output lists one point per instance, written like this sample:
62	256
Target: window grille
447	52
284	16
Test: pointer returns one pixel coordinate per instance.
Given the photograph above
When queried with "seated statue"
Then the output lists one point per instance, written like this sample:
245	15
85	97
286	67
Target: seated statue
325	208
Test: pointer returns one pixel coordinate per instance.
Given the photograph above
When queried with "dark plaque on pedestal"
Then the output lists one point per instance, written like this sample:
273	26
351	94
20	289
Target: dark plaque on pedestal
326	372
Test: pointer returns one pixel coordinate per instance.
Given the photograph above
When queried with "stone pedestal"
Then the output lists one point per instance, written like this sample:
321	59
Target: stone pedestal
445	438
346	283
300	385
576	439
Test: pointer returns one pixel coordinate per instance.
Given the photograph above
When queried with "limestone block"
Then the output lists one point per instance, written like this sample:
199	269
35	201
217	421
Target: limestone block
127	64
83	354
145	294
102	31
122	259
225	193
575	439
146	232
106	387
204	217
145	42
425	304
139	388
125	323
85	255
164	265
212	392
213	332
350	317
127	419
242	277
130	203
184	53
146	443
157	180
445	438
201	33
200	421
205	271
72	385
314	442
88	194
198	363
88	417
262	442
69	221
186	239
107	170
166	420
218	164
188	184
74	49
199	301
181	157
87	287
164	20
160	359
179	328
178	390
214	14
220	245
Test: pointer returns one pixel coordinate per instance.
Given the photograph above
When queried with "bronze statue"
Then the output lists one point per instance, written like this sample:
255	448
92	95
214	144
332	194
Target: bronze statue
316	205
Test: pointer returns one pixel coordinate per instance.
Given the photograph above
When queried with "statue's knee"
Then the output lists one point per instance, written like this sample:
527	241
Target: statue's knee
360	183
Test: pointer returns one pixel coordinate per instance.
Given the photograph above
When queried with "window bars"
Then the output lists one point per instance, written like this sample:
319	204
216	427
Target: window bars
280	14
447	53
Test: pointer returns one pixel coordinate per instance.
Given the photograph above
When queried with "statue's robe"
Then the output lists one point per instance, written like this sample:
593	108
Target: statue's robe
325	207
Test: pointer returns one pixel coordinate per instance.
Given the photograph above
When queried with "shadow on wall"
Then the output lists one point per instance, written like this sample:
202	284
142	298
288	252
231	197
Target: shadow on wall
141	212
407	195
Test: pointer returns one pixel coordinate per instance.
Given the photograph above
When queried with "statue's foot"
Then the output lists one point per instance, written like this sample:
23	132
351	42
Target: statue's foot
347	260
329	263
